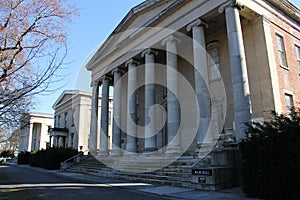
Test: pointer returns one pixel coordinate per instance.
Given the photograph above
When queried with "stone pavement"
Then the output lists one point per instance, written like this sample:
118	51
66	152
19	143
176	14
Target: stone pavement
161	190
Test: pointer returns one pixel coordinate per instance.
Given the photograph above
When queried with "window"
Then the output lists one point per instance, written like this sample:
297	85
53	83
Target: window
58	121
298	57
281	51
289	103
214	64
109	117
66	115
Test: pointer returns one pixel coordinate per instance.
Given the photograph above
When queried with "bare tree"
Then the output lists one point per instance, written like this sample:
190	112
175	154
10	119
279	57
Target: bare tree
32	49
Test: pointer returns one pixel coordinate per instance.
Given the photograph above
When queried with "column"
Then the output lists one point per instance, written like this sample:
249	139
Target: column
240	83
174	143
94	119
104	116
150	135
201	79
30	135
116	137
131	145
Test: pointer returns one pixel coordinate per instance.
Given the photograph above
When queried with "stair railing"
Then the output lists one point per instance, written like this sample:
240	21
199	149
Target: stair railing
71	161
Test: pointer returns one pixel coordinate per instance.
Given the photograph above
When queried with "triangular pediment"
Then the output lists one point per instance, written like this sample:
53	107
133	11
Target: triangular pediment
64	97
138	17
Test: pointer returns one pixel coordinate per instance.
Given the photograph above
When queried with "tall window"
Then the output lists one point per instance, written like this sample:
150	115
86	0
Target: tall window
58	121
298	57
289	103
214	64
109	117
66	116
281	51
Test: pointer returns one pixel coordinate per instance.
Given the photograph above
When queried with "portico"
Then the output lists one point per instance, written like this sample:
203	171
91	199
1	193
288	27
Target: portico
135	65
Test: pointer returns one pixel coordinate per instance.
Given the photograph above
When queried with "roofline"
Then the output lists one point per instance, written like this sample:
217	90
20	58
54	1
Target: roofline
71	92
44	115
288	8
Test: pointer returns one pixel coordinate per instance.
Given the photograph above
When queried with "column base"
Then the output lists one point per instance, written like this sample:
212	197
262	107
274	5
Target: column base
103	153
93	152
116	153
174	149
151	150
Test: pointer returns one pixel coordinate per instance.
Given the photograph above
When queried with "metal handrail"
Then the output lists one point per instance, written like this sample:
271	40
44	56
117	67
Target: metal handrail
77	158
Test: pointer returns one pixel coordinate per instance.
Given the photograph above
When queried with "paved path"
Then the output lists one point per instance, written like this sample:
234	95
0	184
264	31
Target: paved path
49	186
64	185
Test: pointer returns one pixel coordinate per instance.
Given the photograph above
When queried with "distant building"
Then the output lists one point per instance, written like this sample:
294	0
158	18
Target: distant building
34	131
72	120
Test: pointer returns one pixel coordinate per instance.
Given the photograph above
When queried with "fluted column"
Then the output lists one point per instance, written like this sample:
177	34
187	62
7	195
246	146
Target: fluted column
201	78
174	138
104	116
131	144
150	135
94	119
116	137
239	74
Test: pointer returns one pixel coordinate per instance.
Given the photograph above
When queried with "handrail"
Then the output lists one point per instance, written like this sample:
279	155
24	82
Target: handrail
64	165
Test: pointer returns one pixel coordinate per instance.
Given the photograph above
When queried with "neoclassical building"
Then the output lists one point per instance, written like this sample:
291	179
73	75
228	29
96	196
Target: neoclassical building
72	120
34	131
189	73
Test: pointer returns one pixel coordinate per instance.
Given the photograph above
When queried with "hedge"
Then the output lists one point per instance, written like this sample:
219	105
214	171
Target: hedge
49	158
271	158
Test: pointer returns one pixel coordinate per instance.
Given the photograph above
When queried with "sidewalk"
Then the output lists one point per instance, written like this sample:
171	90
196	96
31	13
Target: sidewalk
161	190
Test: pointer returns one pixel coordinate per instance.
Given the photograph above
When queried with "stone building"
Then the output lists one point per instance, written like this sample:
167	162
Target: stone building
34	131
188	74
72	120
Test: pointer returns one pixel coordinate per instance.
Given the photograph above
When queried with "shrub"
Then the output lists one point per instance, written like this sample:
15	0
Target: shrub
271	159
23	158
7	153
51	157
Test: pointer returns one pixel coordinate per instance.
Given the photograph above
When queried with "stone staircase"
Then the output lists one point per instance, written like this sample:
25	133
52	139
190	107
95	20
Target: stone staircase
172	170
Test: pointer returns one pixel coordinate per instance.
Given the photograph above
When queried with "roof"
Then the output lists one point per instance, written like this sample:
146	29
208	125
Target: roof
284	6
68	95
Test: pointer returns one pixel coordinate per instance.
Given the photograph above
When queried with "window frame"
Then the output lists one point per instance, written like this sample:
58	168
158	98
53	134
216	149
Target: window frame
297	51
281	52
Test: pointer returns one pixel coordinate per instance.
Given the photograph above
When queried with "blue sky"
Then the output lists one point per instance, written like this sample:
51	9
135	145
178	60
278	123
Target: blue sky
87	32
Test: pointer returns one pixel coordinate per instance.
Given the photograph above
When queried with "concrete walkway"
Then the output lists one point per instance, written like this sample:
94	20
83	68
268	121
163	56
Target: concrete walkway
161	190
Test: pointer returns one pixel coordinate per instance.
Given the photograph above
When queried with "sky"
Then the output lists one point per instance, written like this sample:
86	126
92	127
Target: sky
98	18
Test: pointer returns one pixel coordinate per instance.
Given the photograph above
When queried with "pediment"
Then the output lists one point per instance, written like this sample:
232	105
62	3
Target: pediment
138	17
64	97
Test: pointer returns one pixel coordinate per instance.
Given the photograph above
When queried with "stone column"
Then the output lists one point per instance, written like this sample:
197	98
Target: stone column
104	116
201	79
240	83
94	119
116	137
131	145
150	135
30	136
174	139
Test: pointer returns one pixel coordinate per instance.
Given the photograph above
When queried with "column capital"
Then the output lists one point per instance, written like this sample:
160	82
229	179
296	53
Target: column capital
170	38
197	22
117	70
105	77
132	61
149	51
233	3
95	83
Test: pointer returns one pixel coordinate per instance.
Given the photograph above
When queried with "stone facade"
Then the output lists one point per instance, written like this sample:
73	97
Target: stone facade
72	120
34	131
